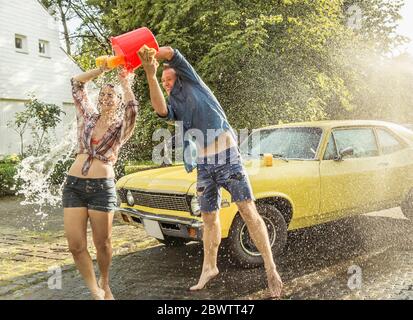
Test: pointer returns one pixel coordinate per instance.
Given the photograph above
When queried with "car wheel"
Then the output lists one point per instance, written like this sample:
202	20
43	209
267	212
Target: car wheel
240	246
407	205
173	241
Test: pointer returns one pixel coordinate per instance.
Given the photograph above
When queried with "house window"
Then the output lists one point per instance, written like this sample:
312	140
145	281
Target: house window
20	43
43	48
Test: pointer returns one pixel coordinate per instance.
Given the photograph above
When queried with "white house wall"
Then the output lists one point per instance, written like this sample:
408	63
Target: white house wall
21	74
10	140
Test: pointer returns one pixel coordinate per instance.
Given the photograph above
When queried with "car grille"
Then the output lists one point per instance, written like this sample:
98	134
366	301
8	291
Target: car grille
166	201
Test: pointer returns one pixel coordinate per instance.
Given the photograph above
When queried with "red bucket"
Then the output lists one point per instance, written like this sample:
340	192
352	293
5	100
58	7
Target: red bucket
127	45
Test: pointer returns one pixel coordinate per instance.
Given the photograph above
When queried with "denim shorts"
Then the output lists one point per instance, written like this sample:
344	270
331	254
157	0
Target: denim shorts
95	194
221	170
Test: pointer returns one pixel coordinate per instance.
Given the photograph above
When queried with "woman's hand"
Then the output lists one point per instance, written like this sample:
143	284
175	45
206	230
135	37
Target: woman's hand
125	78
104	66
123	75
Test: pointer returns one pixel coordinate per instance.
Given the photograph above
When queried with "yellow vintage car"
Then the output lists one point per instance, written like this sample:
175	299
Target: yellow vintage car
302	174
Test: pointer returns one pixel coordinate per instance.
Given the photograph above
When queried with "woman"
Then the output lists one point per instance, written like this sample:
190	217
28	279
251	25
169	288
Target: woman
89	191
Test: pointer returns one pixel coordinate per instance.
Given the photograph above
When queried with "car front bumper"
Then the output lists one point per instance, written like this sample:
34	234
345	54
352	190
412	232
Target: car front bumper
187	228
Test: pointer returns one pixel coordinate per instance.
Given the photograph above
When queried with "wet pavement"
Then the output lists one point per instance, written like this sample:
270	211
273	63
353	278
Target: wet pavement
365	257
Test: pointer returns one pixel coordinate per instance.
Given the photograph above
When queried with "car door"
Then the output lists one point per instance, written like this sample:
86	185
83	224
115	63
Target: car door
353	183
396	159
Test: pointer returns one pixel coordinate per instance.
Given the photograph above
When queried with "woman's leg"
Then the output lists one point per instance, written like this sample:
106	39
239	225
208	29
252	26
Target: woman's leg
101	223
75	222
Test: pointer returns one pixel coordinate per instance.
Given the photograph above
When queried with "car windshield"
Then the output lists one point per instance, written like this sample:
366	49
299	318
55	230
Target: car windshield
289	143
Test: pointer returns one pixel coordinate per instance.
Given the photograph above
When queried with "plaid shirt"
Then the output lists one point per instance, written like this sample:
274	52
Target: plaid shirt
118	133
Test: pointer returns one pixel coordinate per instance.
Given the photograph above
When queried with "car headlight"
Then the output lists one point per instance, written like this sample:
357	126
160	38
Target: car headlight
195	208
130	199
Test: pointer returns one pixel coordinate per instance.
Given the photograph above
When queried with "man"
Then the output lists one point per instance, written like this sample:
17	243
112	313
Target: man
193	103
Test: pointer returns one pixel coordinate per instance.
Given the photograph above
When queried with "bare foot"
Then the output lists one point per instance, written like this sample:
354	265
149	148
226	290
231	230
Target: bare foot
275	284
108	293
206	276
99	294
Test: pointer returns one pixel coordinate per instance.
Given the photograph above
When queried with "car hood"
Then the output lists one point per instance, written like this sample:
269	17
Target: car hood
174	179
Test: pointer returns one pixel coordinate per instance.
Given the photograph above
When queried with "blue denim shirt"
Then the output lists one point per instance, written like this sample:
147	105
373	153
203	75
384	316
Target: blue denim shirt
193	103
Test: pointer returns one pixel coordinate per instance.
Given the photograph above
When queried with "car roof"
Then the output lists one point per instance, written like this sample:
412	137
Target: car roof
328	124
405	133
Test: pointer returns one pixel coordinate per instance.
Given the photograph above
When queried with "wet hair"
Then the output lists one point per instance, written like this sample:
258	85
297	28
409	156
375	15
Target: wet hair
112	86
107	85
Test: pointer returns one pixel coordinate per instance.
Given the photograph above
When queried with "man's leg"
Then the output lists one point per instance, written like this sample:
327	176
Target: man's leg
259	234
234	178
211	240
209	197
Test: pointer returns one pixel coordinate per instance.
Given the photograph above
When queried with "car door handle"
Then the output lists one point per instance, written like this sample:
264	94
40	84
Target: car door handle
383	164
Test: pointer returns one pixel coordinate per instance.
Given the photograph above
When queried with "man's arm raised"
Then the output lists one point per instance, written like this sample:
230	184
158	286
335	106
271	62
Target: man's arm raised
150	65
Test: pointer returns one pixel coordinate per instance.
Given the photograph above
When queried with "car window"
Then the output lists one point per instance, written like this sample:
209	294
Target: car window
290	142
331	150
362	140
388	143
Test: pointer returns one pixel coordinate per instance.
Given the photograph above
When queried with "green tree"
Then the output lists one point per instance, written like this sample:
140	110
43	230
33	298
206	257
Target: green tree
91	33
377	23
62	9
266	61
20	125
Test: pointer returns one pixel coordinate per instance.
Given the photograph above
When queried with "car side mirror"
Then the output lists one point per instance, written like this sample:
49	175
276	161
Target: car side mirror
349	151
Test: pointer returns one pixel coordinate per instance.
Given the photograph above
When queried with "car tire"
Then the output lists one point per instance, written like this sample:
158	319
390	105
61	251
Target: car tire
239	246
407	205
173	241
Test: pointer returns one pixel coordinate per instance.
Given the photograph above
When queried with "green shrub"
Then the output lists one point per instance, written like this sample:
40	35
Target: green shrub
10	159
7	172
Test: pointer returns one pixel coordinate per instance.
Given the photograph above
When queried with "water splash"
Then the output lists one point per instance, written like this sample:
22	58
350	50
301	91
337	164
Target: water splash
34	175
